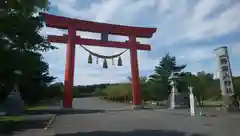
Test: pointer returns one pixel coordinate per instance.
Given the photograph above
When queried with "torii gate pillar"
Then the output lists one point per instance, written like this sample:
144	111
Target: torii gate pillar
69	69
136	97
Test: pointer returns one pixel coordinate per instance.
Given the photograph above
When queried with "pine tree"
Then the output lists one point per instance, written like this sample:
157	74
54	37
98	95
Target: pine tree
158	81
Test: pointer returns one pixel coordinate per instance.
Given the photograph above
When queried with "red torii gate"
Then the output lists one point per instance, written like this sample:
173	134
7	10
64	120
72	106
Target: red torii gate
73	25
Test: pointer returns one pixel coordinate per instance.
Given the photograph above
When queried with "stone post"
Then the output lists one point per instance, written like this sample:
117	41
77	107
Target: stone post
192	102
172	95
173	78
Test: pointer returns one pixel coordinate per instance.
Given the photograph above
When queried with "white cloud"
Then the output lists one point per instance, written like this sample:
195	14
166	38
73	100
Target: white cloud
183	20
108	10
235	49
48	31
204	8
175	20
200	28
197	53
164	5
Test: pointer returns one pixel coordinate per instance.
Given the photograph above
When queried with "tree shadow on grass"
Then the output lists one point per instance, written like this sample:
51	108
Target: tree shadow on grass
133	133
8	127
78	111
62	111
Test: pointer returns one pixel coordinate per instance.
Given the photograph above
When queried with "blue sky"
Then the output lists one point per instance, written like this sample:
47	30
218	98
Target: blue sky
187	29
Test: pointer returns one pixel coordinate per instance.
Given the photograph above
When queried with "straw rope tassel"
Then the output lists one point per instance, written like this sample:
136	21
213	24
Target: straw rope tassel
119	61
113	61
97	61
105	64
90	59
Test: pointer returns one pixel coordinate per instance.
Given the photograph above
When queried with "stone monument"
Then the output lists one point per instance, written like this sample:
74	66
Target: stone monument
225	75
177	99
192	101
14	103
174	90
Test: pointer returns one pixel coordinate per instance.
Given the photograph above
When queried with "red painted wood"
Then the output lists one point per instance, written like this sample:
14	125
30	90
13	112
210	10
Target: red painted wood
69	69
135	73
89	26
93	42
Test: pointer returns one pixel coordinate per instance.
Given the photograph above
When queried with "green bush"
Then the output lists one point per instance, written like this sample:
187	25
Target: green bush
119	92
98	92
122	92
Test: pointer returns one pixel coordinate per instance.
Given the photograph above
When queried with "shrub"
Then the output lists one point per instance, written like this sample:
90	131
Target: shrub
119	92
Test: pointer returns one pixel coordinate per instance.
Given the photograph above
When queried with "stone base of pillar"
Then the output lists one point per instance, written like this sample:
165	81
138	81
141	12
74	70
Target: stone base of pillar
172	100
67	109
64	110
172	108
137	107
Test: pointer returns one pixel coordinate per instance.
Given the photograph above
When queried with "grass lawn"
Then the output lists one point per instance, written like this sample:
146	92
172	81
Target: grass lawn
213	103
44	104
11	118
37	107
9	123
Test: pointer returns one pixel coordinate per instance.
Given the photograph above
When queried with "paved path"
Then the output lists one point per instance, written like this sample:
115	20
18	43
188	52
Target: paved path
139	123
142	123
94	103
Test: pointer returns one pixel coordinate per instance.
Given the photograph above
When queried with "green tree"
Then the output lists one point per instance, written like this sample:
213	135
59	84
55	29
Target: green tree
236	85
20	26
159	82
119	92
21	45
55	90
189	79
35	78
203	85
144	87
142	79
